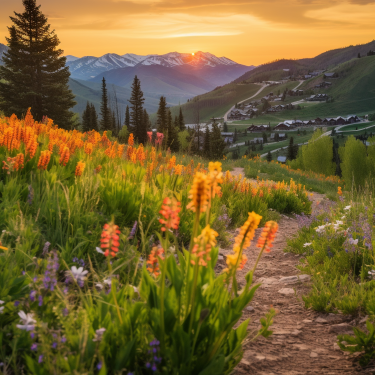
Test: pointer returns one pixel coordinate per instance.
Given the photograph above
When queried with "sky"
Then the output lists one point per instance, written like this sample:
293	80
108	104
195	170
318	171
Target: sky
248	32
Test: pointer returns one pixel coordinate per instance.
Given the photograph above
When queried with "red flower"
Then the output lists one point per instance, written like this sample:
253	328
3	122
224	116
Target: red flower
170	210
268	235
110	239
153	261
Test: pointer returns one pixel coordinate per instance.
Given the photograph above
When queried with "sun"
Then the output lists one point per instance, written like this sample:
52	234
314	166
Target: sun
193	54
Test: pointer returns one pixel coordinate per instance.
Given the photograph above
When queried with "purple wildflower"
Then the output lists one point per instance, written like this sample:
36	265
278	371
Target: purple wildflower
46	247
99	365
54	345
65	312
34	346
40	359
133	231
40	299
63	339
32	295
16	303
50	278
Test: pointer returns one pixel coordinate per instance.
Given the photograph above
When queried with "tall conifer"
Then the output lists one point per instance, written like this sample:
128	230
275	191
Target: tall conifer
34	72
181	121
217	143
136	112
127	118
105	113
161	122
93	118
86	118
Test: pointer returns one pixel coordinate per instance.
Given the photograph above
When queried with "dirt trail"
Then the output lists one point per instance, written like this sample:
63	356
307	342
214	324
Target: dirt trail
303	341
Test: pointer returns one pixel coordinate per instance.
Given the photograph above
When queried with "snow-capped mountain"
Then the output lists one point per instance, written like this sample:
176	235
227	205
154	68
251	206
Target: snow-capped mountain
89	66
70	58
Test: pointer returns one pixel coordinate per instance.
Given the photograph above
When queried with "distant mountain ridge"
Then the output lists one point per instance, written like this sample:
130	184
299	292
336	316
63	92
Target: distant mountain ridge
90	66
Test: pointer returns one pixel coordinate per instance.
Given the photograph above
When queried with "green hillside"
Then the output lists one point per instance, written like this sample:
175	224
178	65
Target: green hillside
91	91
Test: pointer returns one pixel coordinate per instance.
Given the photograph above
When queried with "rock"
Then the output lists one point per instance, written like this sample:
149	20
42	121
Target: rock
260	357
220	257
340	329
250	308
321	320
289	280
296	332
336	347
307	321
268	280
304	278
313	355
244	362
301	346
286	291
281	332
364	320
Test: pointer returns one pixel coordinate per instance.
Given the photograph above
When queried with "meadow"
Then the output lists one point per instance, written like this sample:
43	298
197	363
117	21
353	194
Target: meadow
108	253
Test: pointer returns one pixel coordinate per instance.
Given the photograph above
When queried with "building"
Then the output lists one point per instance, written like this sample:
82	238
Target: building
317	98
281	159
331	75
258	128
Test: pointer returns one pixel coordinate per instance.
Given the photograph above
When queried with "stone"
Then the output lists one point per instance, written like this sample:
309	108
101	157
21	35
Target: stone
244	362
282	332
304	278
289	280
321	320
301	347
336	346
364	320
313	355
250	308
220	257
340	329
307	321
268	280
286	291
296	332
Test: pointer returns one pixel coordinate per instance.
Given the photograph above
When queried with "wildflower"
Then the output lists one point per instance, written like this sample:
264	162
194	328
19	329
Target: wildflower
203	245
40	299
307	244
131	139
110	239
247	231
99	365
133	231
153	262
268	235
34	346
215	177
347	208
149	135
79	275
99	334
63	339
339	191
320	228
372	274
64	155
99	250
3	248
80	168
40	359
27	320
16	303
46	247
353	242
170	210
98	169
54	345
1	307
44	159
199	193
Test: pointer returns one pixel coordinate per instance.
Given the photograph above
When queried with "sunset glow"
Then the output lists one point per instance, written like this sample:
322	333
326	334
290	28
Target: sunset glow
247	32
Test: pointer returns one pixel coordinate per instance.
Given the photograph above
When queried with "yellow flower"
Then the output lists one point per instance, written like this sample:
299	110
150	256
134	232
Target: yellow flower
203	244
199	193
3	248
247	232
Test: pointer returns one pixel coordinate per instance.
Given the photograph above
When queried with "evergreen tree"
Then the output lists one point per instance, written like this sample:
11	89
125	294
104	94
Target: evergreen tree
264	135
127	118
146	120
114	123
173	141
225	127
359	55
235	135
161	122
217	143
34	72
176	123
86	117
181	121
136	112
93	118
269	156
290	152
206	143
105	113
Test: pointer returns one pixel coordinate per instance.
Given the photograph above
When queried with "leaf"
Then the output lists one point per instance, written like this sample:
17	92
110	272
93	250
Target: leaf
215	367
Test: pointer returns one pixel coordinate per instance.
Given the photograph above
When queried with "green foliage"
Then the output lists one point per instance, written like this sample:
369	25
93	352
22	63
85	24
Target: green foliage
355	165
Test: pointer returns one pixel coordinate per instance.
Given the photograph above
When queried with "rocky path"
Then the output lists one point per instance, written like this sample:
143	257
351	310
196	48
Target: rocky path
303	341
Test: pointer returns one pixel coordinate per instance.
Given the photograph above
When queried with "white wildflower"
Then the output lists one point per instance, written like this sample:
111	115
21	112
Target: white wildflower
320	228
78	273
1	308
353	242
372	273
27	320
347	208
99	334
339	222
99	250
307	244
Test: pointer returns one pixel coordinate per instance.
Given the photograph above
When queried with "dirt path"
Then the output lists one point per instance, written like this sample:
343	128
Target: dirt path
303	341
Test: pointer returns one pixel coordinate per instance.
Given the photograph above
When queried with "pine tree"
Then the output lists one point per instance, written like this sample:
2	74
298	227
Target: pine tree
105	113
217	143
93	118
114	123
181	121
127	118
290	152
161	122
146	120
206	143
34	72
173	141
225	127
269	156
86	118
136	112
176	123
235	136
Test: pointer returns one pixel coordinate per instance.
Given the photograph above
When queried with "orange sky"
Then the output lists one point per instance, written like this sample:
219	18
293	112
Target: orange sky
249	32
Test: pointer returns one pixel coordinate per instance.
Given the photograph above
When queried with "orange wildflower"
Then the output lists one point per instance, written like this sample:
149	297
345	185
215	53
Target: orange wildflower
247	232
131	139
110	239
98	169
80	168
153	261
44	159
170	210
339	191
268	235
199	193
64	155
203	244
88	148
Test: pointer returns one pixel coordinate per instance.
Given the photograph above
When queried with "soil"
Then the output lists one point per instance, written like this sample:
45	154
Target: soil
303	341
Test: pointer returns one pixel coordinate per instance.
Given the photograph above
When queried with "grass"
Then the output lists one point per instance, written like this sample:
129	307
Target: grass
357	127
